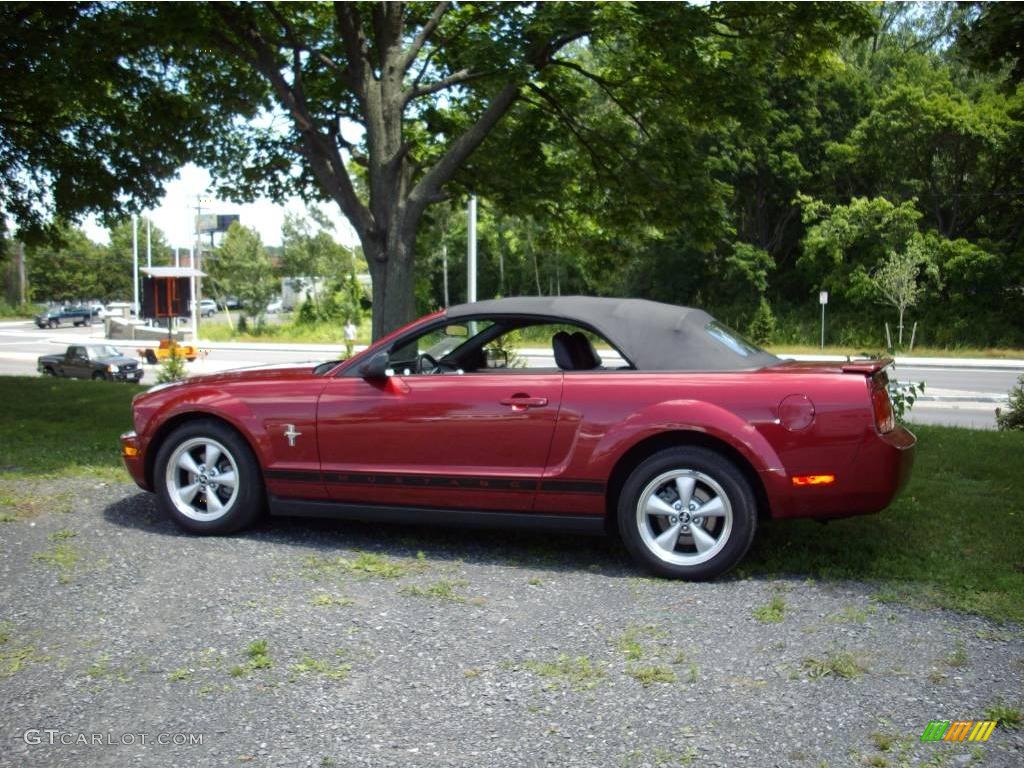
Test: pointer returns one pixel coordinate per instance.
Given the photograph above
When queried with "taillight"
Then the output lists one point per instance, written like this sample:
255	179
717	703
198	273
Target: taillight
885	419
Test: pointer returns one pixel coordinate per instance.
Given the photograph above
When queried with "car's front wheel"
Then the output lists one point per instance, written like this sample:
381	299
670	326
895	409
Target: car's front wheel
207	478
687	513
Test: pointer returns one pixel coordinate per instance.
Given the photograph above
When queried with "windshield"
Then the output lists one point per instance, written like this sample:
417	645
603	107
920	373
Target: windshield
104	350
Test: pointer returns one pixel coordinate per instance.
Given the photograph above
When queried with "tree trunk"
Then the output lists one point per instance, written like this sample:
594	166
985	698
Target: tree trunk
391	270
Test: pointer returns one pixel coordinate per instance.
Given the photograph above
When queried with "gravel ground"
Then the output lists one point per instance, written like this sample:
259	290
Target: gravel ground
442	648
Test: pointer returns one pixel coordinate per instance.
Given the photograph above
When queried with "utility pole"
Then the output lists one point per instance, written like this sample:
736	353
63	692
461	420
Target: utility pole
149	244
135	263
471	252
22	282
197	286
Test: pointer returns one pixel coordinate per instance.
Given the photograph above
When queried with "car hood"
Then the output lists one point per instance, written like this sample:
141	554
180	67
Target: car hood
116	360
259	373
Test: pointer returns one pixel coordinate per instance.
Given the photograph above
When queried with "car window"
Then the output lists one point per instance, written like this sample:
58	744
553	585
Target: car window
729	338
422	353
531	348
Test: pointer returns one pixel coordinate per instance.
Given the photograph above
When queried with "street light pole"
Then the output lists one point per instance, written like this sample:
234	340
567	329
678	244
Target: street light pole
471	252
135	263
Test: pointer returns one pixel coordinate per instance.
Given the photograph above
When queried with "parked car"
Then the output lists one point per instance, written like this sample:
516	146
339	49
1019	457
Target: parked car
165	349
91	361
652	421
275	307
207	307
54	317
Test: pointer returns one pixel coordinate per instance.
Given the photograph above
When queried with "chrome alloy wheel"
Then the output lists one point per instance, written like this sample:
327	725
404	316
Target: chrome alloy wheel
202	479
684	517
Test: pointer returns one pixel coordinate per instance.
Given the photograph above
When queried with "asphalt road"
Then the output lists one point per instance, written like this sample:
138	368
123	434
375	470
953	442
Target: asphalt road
955	394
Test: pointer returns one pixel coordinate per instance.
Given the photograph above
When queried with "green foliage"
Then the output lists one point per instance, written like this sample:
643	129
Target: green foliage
903	397
311	258
1012	417
241	267
81	131
762	326
172	367
69	267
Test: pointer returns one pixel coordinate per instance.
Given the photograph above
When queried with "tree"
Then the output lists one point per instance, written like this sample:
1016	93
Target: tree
241	267
386	104
897	280
68	267
992	39
91	121
310	254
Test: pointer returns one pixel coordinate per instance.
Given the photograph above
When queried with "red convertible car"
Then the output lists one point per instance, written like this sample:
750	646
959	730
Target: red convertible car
573	413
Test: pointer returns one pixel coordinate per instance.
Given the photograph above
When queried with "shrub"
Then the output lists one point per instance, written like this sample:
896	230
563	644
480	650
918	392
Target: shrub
762	326
172	368
1013	416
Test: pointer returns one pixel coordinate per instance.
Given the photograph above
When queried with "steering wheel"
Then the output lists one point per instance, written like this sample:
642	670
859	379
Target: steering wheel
427	364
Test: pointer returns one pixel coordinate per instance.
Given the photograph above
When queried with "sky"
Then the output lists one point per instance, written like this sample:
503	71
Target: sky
175	215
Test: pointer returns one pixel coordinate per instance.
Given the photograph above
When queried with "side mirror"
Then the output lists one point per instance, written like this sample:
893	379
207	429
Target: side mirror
376	367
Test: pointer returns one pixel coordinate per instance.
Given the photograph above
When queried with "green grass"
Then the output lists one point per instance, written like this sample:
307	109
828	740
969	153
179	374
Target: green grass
271	332
257	657
62	557
772	613
63	426
579	673
311	666
835	664
1006	717
365	565
953	539
446	590
648	676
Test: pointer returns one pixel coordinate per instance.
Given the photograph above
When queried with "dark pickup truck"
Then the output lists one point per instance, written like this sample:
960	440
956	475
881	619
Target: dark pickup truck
91	361
54	317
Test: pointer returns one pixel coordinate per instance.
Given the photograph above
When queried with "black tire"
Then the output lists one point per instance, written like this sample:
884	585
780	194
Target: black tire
99	376
48	371
239	506
52	323
703	546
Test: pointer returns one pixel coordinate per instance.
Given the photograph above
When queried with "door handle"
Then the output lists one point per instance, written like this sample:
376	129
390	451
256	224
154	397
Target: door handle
522	402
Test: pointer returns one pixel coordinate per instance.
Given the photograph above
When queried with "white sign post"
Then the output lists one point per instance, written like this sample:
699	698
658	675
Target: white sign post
823	300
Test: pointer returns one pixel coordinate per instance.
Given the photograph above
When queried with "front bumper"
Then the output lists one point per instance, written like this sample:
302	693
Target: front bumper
133	376
134	462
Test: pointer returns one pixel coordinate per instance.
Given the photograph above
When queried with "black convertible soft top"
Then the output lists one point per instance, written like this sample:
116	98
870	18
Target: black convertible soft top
651	335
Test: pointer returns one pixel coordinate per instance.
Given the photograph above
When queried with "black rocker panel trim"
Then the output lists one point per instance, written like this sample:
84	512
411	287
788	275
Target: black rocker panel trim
466	518
436	481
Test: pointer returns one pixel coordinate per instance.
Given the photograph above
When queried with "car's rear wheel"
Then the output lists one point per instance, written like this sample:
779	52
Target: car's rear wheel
687	513
207	478
98	376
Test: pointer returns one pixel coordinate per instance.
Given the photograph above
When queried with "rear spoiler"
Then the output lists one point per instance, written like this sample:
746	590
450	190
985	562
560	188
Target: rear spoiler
867	367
